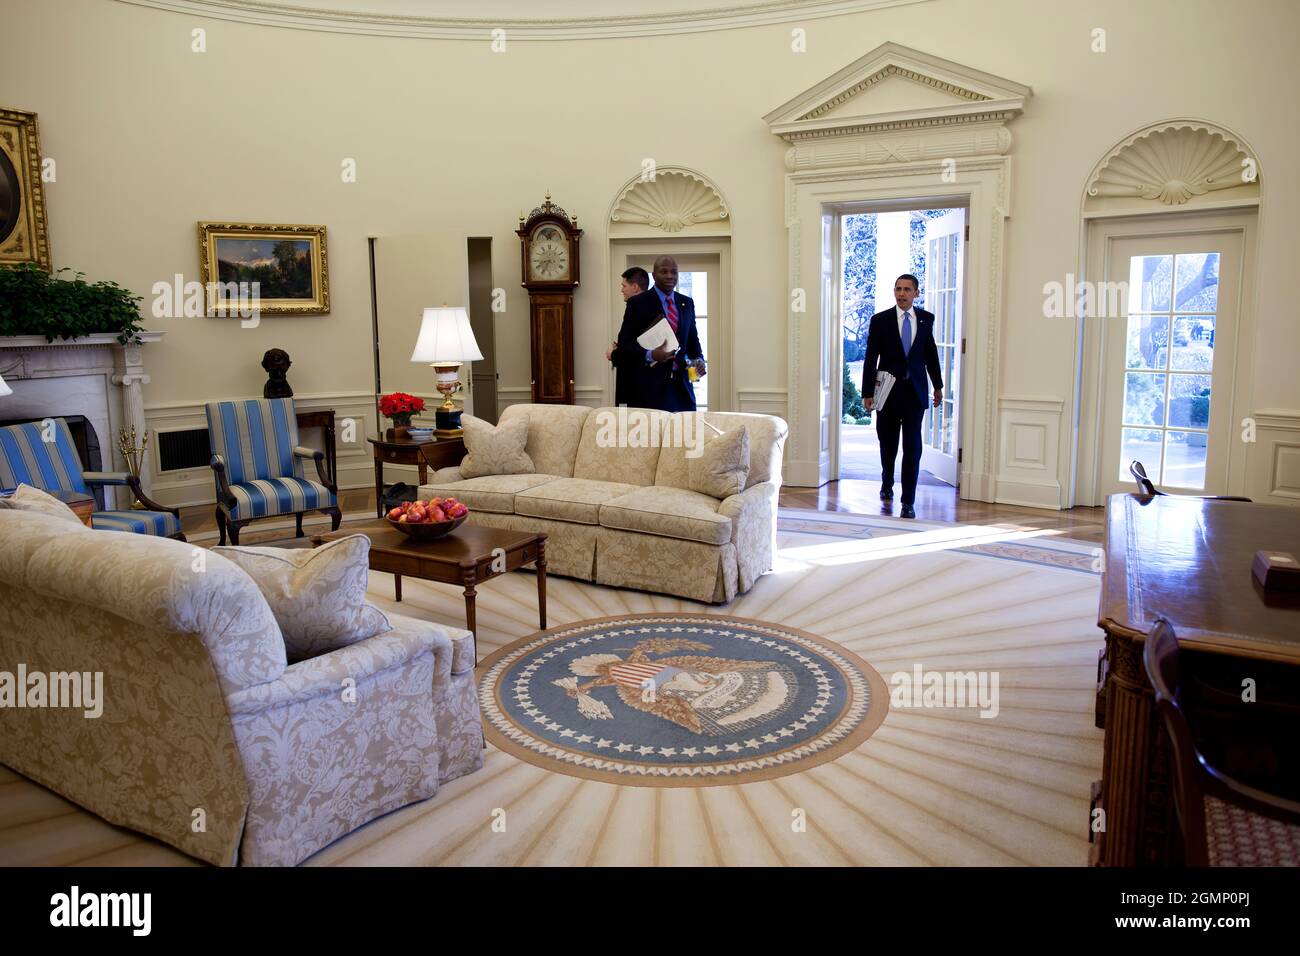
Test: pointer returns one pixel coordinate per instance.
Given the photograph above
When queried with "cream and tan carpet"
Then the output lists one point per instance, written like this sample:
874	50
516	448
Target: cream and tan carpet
931	786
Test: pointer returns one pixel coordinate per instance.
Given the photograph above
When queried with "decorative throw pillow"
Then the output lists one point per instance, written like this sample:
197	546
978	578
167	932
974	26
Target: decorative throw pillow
27	498
722	468
318	595
495	449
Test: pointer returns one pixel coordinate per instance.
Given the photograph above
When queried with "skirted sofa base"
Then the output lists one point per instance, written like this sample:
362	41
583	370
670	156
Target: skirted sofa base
630	559
625	515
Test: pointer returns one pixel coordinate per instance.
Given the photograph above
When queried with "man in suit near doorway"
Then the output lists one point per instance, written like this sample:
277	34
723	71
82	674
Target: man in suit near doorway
900	341
662	380
634	281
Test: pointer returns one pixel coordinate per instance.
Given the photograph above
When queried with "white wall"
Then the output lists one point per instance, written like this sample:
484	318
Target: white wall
453	140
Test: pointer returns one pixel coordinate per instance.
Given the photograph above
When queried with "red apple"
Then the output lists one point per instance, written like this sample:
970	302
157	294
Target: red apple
438	515
395	513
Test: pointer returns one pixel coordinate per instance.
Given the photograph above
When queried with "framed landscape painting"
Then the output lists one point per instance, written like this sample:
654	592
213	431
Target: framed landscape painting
23	236
283	270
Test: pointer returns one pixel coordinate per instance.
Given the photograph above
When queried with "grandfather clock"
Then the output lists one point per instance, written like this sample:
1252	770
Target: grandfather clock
549	246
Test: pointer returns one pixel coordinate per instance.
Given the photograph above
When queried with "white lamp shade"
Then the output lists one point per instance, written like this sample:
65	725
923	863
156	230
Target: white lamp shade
5	389
445	337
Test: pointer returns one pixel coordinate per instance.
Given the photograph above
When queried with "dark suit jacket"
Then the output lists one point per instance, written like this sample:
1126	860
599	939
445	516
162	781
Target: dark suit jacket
624	376
885	351
657	386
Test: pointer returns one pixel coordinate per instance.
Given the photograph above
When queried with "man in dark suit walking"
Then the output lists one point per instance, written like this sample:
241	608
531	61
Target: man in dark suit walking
662	379
900	341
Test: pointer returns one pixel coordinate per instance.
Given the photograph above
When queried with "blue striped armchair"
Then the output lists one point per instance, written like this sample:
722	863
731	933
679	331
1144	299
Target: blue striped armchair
42	454
258	466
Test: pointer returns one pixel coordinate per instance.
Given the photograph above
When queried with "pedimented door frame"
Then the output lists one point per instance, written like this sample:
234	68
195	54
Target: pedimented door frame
956	153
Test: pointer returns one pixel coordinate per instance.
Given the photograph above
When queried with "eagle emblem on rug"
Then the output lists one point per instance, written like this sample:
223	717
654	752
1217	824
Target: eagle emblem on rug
707	695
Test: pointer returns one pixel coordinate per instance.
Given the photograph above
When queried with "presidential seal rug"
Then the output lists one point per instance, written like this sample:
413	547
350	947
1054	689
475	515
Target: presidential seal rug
678	700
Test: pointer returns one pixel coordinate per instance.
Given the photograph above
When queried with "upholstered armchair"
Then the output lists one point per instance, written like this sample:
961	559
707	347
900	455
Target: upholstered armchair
258	466
202	717
31	455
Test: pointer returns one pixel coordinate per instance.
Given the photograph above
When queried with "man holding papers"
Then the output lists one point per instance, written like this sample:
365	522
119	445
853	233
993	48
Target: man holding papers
900	343
659	325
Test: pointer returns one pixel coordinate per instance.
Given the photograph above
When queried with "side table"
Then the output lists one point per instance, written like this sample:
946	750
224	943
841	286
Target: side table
440	453
83	506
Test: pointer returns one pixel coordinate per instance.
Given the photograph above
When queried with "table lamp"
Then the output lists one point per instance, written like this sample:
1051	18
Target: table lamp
5	389
446	340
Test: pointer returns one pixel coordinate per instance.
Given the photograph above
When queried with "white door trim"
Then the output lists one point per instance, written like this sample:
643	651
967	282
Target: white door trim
1100	233
982	184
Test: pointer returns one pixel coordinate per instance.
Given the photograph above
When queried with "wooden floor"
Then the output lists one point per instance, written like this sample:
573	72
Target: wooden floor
933	503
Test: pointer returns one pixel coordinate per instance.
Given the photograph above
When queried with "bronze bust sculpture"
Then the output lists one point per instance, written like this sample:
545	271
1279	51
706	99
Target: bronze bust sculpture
276	362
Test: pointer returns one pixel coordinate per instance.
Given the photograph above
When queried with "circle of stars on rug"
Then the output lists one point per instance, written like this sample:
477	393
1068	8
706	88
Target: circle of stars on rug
678	700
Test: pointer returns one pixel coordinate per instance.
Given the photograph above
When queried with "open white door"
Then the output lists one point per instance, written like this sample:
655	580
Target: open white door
944	257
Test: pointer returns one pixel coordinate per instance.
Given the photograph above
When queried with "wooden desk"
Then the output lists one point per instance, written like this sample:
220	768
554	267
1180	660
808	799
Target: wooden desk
439	453
1188	560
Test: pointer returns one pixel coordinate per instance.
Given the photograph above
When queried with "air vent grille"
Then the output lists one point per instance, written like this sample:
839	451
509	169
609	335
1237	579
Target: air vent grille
184	448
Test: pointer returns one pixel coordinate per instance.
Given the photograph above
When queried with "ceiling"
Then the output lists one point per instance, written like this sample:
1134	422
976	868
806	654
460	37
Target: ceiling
522	19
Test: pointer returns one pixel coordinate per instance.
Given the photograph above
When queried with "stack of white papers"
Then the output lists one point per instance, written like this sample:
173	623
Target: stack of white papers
884	382
661	333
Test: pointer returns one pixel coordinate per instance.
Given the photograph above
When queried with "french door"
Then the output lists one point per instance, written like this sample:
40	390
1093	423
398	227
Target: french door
1168	359
944	259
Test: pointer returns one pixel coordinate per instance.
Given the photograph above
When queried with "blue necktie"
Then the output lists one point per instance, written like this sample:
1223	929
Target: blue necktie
907	333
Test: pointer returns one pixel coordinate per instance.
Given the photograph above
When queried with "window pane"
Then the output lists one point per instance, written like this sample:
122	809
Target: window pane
1185	459
1140	444
1144	398
1193	349
1148	341
1197	279
1148	283
1189	401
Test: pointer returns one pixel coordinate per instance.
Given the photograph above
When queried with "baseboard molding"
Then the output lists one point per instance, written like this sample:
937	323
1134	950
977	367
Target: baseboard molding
978	487
801	474
1029	494
311	523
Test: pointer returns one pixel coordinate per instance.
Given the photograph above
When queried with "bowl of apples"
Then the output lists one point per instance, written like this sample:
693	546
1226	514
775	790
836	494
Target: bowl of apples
427	520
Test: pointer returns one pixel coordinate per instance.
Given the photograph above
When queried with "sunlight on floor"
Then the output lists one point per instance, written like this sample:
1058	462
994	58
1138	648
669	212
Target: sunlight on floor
893	546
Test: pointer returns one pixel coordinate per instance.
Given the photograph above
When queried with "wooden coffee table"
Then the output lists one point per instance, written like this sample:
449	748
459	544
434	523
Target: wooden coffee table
468	556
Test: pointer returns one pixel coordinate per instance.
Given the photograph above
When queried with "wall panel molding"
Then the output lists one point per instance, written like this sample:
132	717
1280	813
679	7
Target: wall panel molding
1273	460
1030	442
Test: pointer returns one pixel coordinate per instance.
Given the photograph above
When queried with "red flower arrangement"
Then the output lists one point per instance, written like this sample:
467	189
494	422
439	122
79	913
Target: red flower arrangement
400	406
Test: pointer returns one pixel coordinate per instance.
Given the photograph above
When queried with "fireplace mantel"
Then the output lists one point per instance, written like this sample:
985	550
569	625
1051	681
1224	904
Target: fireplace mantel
94	375
95	338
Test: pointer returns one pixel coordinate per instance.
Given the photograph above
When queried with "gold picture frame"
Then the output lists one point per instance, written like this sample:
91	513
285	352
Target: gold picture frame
280	269
24	236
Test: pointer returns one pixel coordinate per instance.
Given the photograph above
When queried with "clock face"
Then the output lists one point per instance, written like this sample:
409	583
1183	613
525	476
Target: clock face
548	254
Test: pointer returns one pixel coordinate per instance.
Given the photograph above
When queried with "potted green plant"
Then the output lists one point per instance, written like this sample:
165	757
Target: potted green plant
34	302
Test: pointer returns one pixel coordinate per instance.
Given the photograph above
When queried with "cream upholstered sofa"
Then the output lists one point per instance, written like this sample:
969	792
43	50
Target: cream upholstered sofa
209	740
625	516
